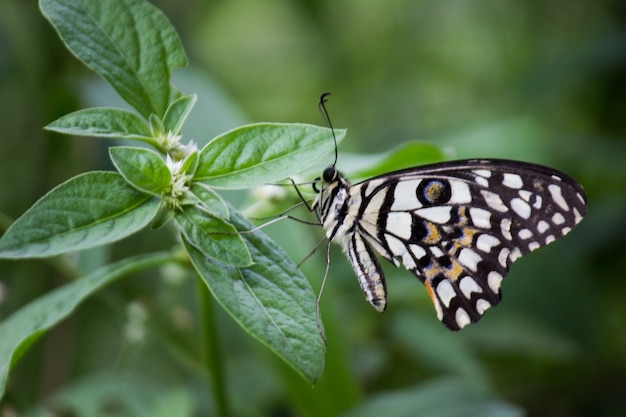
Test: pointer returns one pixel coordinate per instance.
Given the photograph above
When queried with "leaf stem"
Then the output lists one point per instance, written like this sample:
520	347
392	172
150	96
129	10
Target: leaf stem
210	348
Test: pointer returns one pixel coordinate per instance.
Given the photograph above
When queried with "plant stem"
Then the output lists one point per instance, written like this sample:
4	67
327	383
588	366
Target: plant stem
210	348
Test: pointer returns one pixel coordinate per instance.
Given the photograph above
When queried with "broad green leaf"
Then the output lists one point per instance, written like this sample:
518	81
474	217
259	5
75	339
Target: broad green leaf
128	42
177	113
90	209
208	200
26	325
213	236
103	122
407	155
142	168
255	155
270	299
450	397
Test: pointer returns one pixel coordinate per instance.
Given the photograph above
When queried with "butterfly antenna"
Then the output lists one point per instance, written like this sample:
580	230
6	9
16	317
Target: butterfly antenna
322	106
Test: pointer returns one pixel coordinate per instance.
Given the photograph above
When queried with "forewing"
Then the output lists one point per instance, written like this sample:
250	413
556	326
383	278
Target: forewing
458	226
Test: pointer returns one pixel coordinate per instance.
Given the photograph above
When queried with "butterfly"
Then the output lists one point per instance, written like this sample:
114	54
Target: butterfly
457	226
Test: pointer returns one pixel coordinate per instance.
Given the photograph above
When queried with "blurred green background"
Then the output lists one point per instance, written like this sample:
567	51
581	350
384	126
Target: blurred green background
541	81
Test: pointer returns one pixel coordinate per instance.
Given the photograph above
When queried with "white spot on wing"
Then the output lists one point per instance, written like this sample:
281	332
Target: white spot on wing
520	207
533	245
486	242
512	181
505	229
550	239
483	182
399	223
462	318
542	226
558	218
577	216
460	192
494	279
525	234
445	292
482	305
396	246
480	217
417	251
436	251
538	202
525	194
515	254
404	197
494	201
503	257
566	230
557	196
436	214
482	172
469	258
408	261
468	286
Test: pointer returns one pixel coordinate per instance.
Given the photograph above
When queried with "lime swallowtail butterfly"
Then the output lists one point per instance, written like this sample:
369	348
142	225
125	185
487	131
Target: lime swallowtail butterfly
457	226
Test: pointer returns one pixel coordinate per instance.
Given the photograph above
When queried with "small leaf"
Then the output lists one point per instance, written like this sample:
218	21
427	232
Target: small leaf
208	200
27	324
214	237
177	113
258	154
103	122
190	164
90	209
128	42
270	299
156	126
142	168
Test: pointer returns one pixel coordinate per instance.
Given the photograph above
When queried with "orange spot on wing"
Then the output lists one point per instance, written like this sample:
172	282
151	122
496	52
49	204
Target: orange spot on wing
430	291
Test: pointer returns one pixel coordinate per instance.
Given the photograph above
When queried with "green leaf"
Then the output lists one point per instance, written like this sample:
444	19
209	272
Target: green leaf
128	42
26	325
156	126
208	200
177	113
450	397
257	154
90	209
407	155
270	299
142	168
213	237
103	122
190	163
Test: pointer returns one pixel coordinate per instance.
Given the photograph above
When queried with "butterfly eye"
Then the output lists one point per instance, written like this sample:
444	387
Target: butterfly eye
329	174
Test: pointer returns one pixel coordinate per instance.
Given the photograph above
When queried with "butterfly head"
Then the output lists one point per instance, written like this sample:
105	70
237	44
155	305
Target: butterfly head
329	175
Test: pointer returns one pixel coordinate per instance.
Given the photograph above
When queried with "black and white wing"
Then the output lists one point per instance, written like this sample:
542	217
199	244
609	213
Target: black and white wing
457	226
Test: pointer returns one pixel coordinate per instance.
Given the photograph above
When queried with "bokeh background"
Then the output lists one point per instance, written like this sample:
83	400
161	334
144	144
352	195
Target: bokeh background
541	81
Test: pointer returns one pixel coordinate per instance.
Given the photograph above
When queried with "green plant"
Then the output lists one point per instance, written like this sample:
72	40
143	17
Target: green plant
133	46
